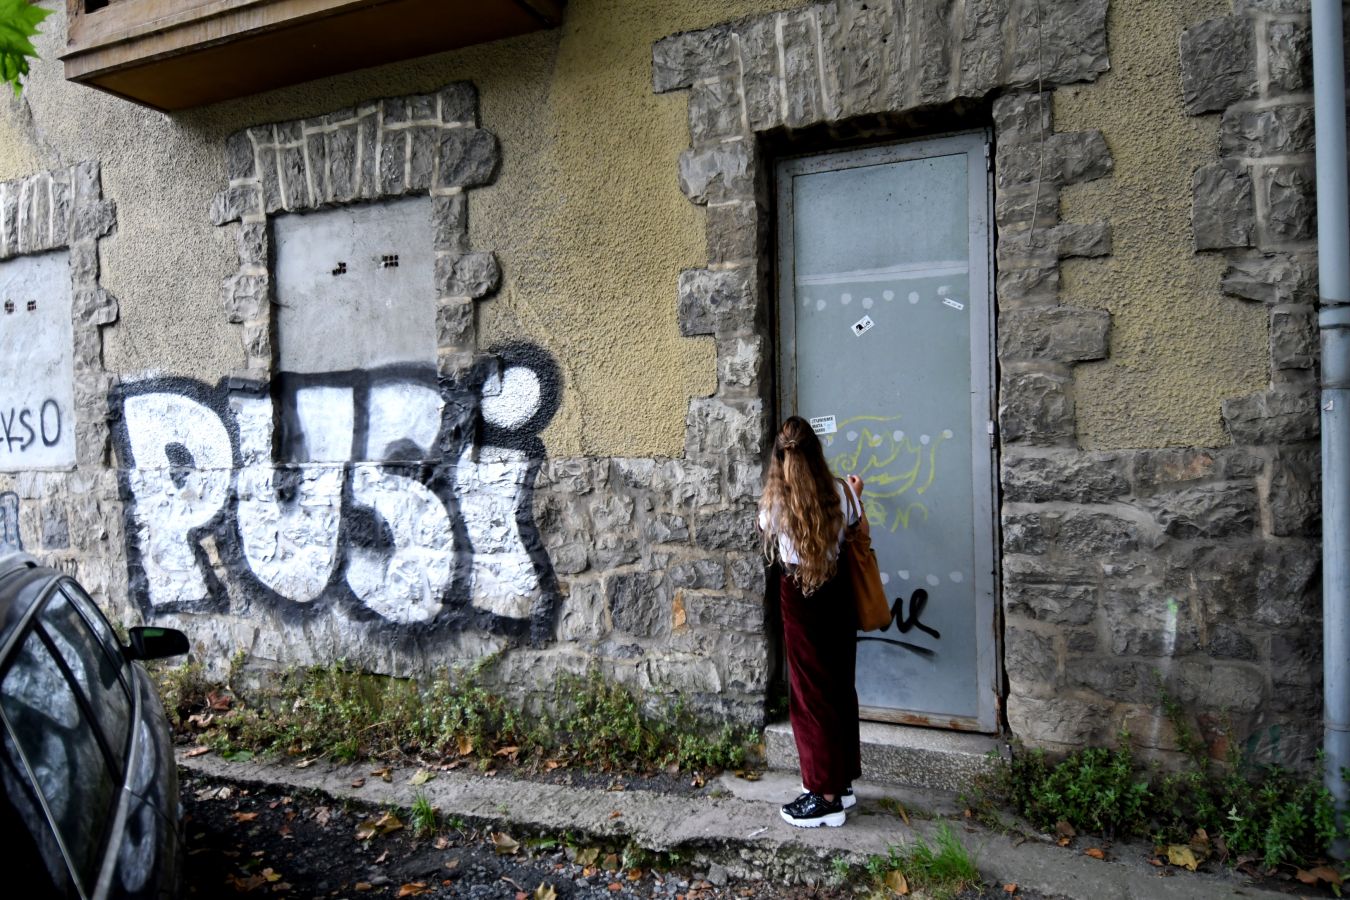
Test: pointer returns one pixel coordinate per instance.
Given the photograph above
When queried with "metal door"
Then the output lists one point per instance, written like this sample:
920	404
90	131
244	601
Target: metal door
885	345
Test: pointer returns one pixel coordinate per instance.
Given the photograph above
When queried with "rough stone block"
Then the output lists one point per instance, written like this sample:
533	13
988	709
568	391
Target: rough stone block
747	574
233	203
450	223
761	83
1023	532
467	274
1013	206
1111	676
1288	583
245	297
740	362
1070	476
731	529
1218	64
1029	282
1293	495
250	240
715	110
393	163
455	323
1296	660
801	68
1223	211
681	59
458	103
737	232
1293	337
1228	642
367	135
1272	278
294	178
1030	661
1023	116
1086	534
1220	686
1272	417
1289	56
467	157
1208	511
1056	334
1290	203
735	428
1266	132
700	574
269	180
1049	591
584	615
1059	42
721	301
340	153
1036	407
638	604
1068	721
1070	157
55	526
669	675
982	46
929	74
719	173
719	612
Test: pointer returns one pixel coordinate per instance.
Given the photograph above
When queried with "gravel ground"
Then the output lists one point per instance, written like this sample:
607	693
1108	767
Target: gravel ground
250	840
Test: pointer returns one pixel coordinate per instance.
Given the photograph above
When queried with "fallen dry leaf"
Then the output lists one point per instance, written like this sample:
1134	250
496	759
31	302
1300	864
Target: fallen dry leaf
385	824
615	887
611	862
441	842
588	856
749	775
218	701
1095	853
1154	861
380	860
1182	855
614	814
550	765
1010	888
1064	829
697	781
306	763
413	889
504	844
512	752
197	751
421	776
545	892
634	874
359	782
465	745
386	774
896	881
363	886
1327	874
271	875
242	817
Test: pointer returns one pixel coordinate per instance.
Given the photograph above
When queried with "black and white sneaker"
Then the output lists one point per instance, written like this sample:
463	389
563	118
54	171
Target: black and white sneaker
812	810
846	799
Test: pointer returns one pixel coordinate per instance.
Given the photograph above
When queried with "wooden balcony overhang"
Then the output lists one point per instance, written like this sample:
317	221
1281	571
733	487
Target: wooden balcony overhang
175	54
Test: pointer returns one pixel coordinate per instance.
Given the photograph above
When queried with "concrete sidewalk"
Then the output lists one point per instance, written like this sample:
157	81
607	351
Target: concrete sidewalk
738	827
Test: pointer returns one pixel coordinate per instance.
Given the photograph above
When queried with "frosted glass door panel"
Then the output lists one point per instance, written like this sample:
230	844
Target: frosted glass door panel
884	313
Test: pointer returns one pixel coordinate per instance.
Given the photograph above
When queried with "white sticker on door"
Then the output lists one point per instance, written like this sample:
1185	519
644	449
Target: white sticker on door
954	304
861	326
824	425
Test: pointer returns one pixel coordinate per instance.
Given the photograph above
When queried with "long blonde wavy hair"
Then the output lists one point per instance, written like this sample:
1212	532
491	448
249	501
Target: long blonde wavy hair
801	502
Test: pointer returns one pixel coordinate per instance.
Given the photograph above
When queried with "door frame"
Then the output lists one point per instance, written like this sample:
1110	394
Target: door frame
977	145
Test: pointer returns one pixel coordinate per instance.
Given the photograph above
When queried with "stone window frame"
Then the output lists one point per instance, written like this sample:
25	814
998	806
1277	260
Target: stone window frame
64	209
419	144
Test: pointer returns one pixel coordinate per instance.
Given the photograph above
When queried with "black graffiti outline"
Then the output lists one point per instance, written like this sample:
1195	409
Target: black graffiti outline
11	541
461	427
21	415
918	601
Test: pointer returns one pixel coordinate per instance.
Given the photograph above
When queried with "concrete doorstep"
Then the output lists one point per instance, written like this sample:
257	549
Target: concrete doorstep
738	827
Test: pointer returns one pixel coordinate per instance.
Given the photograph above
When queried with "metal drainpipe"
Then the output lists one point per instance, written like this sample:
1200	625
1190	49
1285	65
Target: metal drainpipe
1333	254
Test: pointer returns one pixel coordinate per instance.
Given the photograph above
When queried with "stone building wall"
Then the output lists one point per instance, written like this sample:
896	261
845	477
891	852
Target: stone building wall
462	501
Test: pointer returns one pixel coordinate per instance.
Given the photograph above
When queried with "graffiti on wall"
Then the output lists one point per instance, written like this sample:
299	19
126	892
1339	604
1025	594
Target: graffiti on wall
390	495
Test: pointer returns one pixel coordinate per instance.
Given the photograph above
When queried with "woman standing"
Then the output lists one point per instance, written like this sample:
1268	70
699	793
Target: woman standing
803	514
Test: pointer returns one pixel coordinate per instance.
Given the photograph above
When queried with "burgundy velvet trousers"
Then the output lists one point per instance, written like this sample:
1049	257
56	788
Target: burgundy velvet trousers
820	642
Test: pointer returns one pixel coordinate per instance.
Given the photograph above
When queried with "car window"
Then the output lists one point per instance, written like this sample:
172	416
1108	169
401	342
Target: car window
94	616
95	671
24	830
69	767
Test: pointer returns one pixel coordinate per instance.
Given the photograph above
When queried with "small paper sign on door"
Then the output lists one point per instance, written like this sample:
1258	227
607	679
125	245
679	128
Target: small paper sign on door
824	425
861	326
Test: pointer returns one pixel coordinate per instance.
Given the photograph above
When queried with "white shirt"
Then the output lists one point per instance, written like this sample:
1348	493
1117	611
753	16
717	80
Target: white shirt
787	552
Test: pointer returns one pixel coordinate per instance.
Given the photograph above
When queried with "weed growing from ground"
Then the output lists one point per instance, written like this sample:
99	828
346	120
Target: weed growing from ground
423	817
940	870
338	712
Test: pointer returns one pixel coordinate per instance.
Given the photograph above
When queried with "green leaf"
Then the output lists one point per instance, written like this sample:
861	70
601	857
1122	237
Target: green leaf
19	21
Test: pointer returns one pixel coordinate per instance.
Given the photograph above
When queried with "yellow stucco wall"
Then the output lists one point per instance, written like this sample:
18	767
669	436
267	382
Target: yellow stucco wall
1178	347
586	216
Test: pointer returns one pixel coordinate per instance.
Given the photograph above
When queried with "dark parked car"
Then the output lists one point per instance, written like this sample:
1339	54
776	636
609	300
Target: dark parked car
90	806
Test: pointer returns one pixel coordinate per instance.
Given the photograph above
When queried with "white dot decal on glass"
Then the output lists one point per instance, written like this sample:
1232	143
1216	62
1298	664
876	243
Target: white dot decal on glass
867	302
945	289
947	433
933	580
820	304
957	577
806	301
846	299
904	574
852	435
888	295
517	401
913	296
897	435
885	577
923	439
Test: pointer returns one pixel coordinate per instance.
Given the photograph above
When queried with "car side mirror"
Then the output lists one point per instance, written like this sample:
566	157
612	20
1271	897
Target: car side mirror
156	643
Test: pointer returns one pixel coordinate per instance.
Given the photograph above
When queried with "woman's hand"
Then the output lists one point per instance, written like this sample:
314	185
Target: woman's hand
856	484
